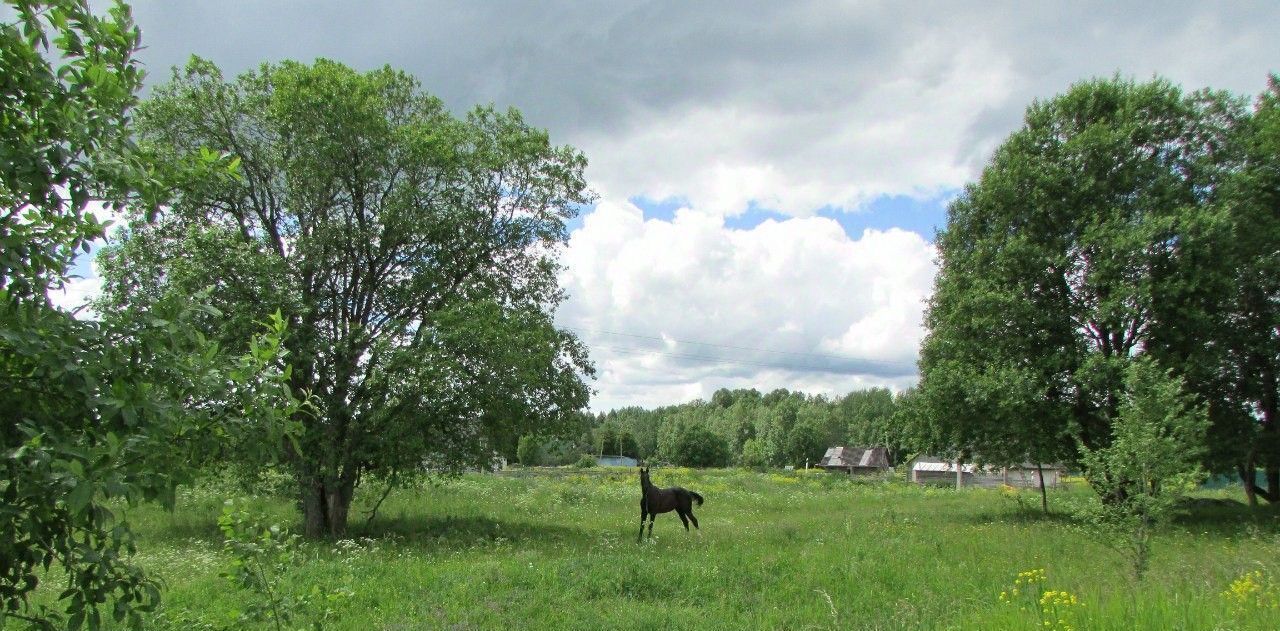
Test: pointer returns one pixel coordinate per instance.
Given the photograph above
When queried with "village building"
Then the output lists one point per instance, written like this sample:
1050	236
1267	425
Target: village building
930	470
616	461
856	460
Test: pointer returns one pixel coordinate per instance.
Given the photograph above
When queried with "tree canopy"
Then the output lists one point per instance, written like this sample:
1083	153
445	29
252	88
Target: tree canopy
1099	232
412	252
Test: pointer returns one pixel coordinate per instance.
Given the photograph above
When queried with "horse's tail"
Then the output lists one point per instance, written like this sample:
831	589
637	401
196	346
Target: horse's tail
696	497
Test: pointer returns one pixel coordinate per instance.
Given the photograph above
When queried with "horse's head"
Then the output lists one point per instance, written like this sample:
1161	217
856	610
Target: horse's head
644	475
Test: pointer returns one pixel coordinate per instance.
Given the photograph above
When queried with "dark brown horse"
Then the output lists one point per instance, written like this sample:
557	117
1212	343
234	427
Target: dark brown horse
654	500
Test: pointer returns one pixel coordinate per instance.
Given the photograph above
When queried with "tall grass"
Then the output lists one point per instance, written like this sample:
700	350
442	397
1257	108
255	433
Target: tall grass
557	549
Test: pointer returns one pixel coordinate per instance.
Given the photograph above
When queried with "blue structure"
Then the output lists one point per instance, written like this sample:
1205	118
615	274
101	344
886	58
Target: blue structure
616	461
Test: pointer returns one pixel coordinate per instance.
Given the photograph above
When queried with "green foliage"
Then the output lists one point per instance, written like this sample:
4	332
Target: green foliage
1152	462
627	445
1054	608
806	442
63	140
412	251
697	446
784	428
528	450
756	454
98	416
122	410
1098	231
585	461
261	555
607	438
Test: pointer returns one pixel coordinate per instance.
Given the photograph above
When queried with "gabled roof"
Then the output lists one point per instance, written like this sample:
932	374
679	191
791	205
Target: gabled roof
875	457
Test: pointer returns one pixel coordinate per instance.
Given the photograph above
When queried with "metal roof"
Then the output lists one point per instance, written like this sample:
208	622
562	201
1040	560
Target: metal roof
932	464
855	457
941	467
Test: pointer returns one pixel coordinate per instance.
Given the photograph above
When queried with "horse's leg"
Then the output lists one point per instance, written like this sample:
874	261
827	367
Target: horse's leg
683	520
693	519
651	516
643	514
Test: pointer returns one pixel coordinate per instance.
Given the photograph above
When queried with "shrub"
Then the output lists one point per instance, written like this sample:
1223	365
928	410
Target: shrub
586	461
527	450
1153	460
697	446
261	554
755	454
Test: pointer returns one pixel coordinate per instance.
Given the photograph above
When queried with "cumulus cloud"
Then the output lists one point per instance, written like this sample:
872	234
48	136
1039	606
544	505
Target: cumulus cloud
679	308
806	108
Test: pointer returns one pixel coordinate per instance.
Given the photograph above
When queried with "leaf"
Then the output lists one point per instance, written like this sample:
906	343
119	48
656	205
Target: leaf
80	496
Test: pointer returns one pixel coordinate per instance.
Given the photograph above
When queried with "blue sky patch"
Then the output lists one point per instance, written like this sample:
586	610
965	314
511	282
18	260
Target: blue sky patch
922	216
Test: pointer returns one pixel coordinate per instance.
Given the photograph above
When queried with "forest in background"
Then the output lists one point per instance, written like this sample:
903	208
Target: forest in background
740	427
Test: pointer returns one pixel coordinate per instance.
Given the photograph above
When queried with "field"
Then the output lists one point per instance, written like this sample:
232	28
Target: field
556	549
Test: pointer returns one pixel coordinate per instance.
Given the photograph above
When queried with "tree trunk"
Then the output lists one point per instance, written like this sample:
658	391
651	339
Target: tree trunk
315	508
326	506
1248	478
340	507
1044	496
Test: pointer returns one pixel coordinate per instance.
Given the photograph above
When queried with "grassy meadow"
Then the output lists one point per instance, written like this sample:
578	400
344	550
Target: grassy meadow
556	549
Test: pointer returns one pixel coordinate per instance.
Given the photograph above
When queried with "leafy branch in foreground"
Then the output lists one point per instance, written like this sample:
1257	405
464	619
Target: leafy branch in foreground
97	414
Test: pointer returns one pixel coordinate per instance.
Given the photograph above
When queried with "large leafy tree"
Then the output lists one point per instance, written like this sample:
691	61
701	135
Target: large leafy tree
1222	312
95	413
412	252
1254	199
1055	265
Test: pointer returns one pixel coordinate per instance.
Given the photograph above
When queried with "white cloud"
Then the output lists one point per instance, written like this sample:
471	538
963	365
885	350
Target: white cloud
788	106
904	133
76	293
673	310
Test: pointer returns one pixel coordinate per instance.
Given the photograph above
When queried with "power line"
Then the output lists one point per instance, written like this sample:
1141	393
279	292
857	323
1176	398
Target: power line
848	358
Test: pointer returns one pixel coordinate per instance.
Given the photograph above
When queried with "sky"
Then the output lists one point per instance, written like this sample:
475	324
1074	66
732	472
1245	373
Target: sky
770	175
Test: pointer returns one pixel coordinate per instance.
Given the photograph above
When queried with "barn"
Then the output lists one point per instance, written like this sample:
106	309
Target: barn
855	460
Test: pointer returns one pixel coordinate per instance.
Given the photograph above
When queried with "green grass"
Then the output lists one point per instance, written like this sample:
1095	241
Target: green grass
557	550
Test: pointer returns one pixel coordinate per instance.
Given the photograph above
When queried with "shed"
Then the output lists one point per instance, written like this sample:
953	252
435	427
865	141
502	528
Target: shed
616	461
1028	475
930	470
926	470
855	460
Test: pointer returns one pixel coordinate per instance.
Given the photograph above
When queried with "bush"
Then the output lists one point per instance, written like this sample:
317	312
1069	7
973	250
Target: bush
527	451
755	454
557	452
697	446
1153	460
586	461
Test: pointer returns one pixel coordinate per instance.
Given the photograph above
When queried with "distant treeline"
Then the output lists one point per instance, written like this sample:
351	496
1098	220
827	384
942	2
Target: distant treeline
736	427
